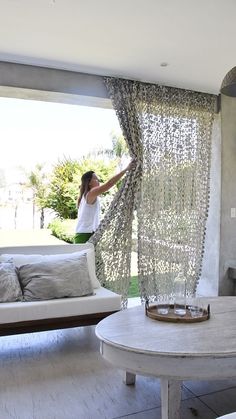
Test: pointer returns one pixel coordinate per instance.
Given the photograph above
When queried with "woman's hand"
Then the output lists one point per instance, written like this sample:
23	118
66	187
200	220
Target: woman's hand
131	165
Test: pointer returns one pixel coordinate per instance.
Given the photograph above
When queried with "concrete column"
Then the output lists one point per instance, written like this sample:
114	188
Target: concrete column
209	281
228	194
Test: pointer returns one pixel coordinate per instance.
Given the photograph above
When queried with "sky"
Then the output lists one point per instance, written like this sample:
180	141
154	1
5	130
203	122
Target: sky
34	132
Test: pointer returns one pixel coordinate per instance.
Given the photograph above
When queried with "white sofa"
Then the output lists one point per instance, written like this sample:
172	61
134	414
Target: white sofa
31	316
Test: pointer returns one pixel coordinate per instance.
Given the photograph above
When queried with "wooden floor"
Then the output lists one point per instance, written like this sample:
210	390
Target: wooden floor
61	375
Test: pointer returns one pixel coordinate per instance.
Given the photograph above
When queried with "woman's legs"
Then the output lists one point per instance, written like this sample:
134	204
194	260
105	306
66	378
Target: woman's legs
82	237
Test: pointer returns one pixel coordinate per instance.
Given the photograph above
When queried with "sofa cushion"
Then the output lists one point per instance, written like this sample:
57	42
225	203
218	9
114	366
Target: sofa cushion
51	279
10	289
22	259
103	301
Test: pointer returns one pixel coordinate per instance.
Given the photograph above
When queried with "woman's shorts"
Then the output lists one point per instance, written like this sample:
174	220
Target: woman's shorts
82	237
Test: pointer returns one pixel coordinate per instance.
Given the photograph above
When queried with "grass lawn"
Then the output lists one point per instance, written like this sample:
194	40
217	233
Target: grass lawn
133	288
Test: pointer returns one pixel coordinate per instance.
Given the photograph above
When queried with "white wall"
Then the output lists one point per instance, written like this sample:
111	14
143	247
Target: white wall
228	194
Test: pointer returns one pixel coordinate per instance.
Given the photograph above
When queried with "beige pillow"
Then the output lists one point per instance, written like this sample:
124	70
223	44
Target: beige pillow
10	289
22	259
55	279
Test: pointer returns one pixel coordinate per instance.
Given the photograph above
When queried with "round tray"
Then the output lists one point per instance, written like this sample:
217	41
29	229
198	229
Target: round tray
151	311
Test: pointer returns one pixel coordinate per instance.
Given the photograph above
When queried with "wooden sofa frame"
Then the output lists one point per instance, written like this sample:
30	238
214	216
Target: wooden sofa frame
31	326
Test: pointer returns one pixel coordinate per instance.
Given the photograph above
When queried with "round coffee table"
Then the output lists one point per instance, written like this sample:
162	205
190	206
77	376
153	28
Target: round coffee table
172	351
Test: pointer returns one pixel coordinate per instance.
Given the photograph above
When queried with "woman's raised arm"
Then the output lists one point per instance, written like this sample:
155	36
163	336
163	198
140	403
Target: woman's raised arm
98	190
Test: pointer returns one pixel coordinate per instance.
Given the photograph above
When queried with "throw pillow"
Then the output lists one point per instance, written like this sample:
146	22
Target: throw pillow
22	259
10	289
90	260
19	259
55	279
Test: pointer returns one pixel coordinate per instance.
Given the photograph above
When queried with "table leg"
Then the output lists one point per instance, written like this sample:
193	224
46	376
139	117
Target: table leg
129	378
170	399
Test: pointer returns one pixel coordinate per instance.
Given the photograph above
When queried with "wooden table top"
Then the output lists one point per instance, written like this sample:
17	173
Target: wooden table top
133	331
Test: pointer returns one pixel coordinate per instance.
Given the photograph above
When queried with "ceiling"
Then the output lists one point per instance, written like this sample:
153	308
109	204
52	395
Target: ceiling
125	38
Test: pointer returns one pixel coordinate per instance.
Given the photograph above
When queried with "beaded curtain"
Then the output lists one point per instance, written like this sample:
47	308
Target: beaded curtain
168	132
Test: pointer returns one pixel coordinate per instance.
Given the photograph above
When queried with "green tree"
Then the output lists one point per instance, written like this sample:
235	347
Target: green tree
65	183
37	180
117	153
119	146
119	150
63	188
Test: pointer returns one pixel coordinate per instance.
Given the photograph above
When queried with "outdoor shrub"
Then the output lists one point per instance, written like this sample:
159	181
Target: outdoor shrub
63	229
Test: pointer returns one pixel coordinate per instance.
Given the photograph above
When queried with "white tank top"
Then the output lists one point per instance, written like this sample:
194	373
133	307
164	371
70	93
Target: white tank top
88	216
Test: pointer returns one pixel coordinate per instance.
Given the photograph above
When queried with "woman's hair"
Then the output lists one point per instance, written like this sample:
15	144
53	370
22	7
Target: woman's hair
84	187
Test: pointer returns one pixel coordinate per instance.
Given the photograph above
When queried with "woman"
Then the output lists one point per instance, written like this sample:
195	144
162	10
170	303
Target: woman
88	203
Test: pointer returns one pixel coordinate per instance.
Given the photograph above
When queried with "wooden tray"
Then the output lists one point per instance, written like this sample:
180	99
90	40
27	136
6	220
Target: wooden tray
151	311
